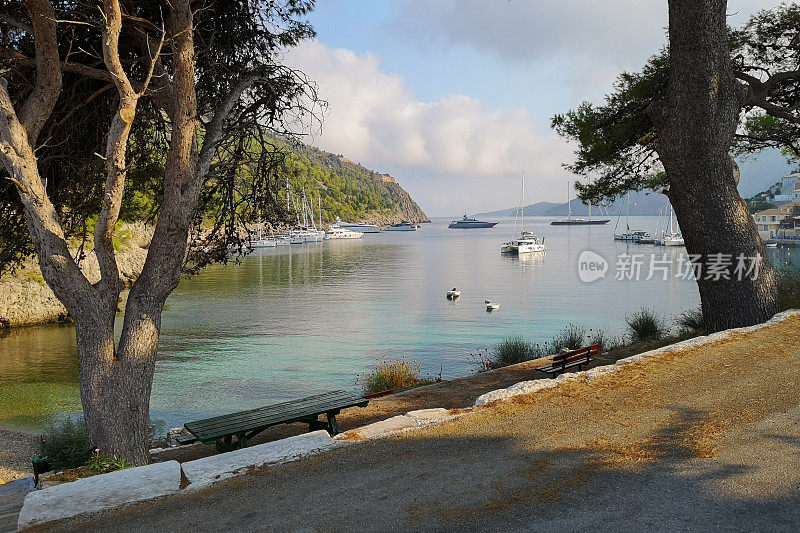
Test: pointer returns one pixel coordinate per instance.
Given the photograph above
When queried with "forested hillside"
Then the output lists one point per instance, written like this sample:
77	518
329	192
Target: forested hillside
347	189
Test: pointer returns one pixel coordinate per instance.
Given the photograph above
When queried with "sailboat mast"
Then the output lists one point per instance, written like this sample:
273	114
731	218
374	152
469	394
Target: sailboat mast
569	202
522	201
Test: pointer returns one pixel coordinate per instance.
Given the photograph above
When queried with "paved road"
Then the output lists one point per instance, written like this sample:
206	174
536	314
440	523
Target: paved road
708	439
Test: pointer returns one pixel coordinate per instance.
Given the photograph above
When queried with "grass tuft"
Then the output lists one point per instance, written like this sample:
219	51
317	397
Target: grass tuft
571	337
691	321
512	350
644	325
392	375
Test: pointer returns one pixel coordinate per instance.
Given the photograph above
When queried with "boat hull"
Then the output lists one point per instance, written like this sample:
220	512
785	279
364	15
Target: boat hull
598	222
401	228
361	229
471	225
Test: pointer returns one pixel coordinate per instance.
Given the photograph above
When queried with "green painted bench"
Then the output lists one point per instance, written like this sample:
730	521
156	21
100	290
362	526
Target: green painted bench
233	430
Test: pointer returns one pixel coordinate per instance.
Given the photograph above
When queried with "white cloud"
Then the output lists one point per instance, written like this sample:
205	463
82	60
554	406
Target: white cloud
374	119
526	30
591	41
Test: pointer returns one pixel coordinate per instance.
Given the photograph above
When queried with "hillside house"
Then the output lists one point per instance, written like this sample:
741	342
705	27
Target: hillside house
778	221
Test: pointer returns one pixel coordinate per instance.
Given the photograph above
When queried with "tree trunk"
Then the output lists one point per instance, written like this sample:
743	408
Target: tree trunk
695	125
115	391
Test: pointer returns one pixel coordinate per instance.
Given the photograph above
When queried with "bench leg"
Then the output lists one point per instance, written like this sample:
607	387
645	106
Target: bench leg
314	423
227	444
333	426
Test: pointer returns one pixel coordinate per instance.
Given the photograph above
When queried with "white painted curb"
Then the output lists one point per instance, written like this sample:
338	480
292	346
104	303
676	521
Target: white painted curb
99	492
207	471
530	387
396	424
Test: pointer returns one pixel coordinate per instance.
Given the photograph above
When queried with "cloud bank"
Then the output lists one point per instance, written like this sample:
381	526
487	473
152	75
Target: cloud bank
375	119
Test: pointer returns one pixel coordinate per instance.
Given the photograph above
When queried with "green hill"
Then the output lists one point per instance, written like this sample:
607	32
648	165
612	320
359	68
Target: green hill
348	190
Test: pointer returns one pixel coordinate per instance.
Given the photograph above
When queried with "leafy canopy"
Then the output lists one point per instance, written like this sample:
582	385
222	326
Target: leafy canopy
235	43
616	140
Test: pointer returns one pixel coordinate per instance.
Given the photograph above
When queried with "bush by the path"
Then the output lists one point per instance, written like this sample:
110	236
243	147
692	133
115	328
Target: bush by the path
66	444
512	350
644	325
691	321
392	375
789	287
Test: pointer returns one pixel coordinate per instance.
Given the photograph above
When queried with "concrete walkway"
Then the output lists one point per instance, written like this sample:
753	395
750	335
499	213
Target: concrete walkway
705	439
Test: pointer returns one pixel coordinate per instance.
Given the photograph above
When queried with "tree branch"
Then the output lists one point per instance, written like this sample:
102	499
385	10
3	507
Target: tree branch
39	104
11	21
116	147
213	133
16	154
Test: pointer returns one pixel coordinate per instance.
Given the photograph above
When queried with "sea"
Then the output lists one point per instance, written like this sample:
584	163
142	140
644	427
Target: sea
291	321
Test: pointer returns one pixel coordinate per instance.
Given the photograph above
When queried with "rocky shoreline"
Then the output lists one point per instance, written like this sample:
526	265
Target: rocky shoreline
26	300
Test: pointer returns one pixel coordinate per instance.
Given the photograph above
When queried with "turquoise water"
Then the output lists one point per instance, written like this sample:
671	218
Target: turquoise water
297	320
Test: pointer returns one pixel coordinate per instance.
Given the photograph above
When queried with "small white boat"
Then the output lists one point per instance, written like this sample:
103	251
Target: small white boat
453	294
491	307
771	245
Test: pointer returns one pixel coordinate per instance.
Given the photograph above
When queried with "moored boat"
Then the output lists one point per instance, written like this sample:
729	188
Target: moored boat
470	223
527	242
569	221
358	226
338	232
402	226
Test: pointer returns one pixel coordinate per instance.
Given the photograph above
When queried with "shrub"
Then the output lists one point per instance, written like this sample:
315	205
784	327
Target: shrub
571	337
66	444
103	463
691	321
600	337
512	350
392	375
644	325
789	287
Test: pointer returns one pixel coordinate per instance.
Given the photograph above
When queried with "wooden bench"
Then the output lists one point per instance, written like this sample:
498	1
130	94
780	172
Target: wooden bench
563	361
233	430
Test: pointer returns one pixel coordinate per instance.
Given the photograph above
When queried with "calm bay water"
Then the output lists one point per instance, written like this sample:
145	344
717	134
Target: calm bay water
293	321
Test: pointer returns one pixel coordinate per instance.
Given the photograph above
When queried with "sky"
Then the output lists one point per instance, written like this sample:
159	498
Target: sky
454	97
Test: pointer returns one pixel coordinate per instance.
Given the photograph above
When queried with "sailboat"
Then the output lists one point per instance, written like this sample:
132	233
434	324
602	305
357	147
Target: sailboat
527	242
671	238
634	235
569	221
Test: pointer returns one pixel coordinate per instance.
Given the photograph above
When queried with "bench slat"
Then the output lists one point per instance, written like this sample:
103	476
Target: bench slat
278	411
213	428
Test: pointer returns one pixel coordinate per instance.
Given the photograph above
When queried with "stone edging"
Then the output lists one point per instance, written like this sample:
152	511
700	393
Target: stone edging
529	387
125	487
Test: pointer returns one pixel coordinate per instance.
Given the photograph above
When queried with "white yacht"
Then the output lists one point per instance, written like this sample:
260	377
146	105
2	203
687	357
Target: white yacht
358	226
527	242
338	232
